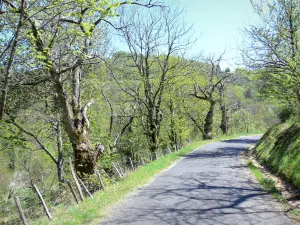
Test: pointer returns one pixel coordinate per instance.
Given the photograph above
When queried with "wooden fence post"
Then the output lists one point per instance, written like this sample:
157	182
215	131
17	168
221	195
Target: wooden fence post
100	180
151	157
106	174
131	163
76	181
120	169
143	162
43	202
72	191
21	213
118	172
85	188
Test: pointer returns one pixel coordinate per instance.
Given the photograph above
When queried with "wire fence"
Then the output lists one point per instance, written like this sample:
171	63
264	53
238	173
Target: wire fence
38	202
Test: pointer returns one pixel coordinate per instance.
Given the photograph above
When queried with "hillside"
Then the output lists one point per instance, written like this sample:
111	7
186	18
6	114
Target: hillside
279	150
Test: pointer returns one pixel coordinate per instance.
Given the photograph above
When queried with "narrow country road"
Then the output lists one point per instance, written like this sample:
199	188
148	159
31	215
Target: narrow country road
212	185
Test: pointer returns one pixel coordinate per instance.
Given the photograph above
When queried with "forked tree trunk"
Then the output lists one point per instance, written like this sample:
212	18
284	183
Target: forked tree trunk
208	126
76	125
73	116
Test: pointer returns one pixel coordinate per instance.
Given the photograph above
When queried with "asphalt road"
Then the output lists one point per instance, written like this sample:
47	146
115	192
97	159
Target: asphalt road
212	185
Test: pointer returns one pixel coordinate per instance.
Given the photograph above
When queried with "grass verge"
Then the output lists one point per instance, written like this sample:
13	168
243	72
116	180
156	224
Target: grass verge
92	210
267	183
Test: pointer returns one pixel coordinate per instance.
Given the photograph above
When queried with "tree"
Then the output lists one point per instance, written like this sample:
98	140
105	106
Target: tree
207	78
10	47
272	48
59	38
222	89
155	43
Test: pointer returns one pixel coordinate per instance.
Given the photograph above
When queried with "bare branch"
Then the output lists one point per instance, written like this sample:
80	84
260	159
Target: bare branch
47	151
84	111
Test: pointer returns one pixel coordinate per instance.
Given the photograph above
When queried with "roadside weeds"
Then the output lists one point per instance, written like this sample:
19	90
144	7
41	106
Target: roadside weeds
280	189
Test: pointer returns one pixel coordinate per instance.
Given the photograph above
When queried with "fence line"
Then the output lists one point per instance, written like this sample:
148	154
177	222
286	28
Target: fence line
28	208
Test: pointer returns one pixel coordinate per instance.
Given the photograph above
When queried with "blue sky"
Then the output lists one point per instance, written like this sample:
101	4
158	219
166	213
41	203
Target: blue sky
218	24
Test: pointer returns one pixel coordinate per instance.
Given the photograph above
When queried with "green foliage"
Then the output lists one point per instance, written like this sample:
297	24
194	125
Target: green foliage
285	114
271	49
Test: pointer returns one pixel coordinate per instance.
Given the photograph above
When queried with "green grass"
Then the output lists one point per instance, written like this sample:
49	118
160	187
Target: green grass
295	213
267	183
279	150
92	210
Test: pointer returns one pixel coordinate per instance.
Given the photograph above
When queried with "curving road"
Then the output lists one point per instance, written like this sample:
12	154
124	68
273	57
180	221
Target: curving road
212	185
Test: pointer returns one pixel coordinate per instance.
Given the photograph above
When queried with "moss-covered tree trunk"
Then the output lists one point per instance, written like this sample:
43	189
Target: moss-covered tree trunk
208	125
86	154
153	141
154	120
173	135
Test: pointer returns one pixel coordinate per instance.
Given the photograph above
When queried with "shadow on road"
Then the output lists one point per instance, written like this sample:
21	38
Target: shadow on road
241	141
198	202
226	152
209	186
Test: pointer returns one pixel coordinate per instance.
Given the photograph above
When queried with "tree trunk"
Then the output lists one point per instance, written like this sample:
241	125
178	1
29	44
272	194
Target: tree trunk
173	136
154	119
73	117
76	125
208	126
85	155
224	121
154	142
60	159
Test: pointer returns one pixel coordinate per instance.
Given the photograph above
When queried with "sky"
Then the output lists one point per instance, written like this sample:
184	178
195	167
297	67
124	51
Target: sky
218	24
